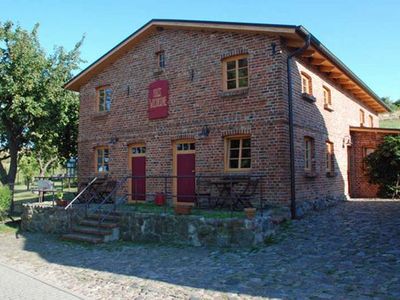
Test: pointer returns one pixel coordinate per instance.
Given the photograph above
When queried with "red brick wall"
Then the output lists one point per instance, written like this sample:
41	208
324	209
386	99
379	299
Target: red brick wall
192	105
359	185
260	112
312	119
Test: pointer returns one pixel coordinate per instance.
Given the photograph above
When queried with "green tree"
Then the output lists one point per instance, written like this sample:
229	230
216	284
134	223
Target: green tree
29	168
383	165
34	107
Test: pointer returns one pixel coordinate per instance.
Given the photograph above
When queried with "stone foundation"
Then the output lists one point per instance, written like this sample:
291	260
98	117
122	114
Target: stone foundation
162	228
43	217
306	207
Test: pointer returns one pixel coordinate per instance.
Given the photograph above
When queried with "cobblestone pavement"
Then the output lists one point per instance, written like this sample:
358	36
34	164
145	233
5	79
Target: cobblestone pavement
351	251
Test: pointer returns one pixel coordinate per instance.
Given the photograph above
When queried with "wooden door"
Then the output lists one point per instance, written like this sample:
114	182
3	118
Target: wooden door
185	171
138	167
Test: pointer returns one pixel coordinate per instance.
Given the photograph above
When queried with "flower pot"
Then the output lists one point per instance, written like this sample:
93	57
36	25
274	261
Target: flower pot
159	199
61	202
250	212
183	209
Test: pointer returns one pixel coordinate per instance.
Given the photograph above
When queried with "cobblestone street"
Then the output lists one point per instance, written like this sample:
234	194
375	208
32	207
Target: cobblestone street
351	251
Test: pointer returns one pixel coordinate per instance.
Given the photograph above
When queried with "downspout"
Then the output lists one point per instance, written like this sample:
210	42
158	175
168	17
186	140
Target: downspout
291	126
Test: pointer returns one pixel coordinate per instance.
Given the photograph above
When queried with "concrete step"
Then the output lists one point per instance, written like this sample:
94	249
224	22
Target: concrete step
92	230
95	223
113	218
93	239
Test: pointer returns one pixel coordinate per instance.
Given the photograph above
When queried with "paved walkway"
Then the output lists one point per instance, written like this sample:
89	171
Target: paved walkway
351	251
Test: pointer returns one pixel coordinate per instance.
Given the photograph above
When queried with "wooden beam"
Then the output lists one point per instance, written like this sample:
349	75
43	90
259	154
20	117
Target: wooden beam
343	80
326	68
308	53
335	75
317	61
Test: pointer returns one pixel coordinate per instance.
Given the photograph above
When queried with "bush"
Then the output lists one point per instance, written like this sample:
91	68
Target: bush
5	201
383	165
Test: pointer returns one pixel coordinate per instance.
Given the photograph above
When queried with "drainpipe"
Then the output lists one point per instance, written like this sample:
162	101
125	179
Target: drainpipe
291	126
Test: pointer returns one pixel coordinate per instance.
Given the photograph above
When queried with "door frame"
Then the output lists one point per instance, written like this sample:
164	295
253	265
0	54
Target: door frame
175	167
130	156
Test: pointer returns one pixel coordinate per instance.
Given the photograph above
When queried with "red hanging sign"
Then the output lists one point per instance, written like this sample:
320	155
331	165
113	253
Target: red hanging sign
158	99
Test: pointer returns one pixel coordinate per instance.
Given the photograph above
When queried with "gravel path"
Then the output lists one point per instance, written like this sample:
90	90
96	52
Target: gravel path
351	251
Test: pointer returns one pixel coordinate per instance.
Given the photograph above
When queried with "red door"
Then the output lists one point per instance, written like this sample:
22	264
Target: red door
139	182
186	185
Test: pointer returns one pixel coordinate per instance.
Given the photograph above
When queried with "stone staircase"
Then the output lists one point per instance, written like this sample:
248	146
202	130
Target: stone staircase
91	231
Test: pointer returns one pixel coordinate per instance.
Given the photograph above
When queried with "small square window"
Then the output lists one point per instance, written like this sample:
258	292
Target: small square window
236	73
104	98
161	59
306	84
238	153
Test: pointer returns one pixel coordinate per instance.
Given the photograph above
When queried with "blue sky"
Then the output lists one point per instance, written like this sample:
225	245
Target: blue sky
364	34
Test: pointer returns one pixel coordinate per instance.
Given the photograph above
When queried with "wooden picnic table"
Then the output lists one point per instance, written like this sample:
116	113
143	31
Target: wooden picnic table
229	195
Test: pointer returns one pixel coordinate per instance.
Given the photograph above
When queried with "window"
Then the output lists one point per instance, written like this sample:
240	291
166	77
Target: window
236	73
185	146
102	159
371	121
327	97
104	98
329	158
161	59
308	153
306	85
238	153
138	151
362	118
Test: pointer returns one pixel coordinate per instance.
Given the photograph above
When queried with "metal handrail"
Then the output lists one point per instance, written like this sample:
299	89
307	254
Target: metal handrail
116	188
80	193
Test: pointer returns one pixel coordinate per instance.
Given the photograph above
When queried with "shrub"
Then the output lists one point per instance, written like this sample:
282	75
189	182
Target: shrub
383	165
5	201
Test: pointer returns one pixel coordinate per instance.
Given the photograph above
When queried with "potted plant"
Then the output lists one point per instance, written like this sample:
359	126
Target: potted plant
182	209
250	212
59	199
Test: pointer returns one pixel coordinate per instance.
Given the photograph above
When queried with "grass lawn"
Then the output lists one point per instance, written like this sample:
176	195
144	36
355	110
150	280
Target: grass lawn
394	123
152	208
21	195
9	227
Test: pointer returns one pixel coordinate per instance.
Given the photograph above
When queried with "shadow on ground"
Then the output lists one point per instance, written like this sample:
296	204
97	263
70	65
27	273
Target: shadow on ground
350	250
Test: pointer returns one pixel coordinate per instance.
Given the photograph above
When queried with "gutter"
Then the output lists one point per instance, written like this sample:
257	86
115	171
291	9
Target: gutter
291	126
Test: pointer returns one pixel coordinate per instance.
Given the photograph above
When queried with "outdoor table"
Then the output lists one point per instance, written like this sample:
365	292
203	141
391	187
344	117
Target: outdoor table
226	191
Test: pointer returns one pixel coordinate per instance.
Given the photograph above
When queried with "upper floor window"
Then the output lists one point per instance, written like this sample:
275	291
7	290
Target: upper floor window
104	98
362	118
236	72
102	160
306	84
371	121
238	153
329	157
327	98
161	59
308	153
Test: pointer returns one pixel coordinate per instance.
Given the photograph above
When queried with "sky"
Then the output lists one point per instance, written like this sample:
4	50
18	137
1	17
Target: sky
364	34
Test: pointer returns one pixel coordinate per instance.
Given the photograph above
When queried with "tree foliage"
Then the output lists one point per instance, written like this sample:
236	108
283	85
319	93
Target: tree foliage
36	113
29	168
383	165
5	200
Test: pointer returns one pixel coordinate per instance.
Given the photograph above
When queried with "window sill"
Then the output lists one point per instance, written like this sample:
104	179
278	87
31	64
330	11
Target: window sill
328	107
308	97
237	171
235	92
331	174
100	115
310	174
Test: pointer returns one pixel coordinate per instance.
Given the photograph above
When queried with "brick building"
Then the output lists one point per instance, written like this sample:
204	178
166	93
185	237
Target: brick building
192	97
